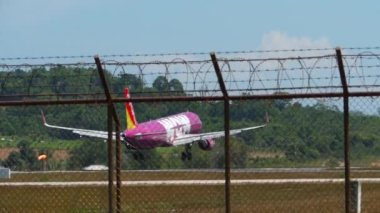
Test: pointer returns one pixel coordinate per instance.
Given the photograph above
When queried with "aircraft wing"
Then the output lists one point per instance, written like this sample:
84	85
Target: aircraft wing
189	138
81	132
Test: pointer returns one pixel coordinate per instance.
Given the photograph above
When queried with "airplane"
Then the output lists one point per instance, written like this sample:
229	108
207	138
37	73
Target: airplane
180	129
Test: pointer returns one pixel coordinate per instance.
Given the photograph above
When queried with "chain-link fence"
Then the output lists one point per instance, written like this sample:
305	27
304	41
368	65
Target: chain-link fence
67	142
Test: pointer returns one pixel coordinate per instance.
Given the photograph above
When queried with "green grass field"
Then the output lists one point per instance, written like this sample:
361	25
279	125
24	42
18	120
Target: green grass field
295	197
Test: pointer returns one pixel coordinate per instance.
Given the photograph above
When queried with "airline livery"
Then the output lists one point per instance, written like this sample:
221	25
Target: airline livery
180	129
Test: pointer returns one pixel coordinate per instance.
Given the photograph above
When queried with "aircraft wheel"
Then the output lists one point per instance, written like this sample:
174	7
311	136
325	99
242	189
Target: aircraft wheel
141	156
138	156
135	155
183	156
186	156
189	156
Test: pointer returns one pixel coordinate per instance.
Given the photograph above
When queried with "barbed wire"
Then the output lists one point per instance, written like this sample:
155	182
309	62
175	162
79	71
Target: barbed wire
181	54
302	75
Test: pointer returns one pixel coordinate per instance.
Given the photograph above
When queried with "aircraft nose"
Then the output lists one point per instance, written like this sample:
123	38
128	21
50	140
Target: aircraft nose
129	135
122	135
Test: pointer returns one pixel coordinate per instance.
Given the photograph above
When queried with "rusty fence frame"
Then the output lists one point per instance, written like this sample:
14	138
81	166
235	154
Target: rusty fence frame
114	153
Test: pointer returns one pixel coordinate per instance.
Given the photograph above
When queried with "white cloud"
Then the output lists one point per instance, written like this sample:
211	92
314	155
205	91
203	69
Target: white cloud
281	41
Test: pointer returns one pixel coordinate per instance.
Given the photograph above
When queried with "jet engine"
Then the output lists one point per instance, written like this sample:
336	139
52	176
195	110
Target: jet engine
207	144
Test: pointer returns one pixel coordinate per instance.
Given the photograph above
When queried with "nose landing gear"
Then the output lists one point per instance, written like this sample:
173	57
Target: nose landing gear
138	156
187	155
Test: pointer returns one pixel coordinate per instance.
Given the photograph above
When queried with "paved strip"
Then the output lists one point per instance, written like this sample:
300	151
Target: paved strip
251	170
191	182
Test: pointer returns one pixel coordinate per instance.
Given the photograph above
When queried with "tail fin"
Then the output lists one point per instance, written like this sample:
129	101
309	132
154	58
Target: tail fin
129	112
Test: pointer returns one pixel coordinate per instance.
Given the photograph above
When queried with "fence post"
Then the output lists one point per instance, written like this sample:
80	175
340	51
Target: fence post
111	112
110	159
346	128
227	155
118	169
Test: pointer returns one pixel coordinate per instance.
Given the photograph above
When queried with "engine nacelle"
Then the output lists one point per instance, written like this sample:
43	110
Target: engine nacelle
207	144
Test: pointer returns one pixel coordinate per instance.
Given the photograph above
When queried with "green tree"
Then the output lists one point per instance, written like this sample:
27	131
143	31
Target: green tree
134	83
176	86
161	84
14	161
24	159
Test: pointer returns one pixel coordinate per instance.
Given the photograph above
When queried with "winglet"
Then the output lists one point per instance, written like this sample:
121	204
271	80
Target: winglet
266	118
43	117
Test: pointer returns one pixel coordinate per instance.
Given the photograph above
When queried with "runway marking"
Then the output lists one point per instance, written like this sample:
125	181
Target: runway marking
191	182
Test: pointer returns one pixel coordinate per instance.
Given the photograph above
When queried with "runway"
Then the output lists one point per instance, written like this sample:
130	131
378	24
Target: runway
191	182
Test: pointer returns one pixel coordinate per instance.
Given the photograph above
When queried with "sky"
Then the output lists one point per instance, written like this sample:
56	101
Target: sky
88	27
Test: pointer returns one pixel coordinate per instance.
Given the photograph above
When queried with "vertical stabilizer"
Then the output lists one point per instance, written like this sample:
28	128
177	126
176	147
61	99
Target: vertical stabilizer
129	112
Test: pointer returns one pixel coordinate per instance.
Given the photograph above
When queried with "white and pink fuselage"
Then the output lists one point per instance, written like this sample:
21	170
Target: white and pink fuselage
163	132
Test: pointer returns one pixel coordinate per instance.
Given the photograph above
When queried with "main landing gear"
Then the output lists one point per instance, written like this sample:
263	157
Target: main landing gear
138	155
186	155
